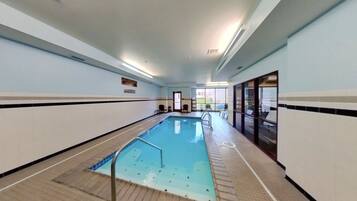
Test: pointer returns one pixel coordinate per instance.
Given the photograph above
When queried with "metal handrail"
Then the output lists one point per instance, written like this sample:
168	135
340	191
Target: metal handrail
115	158
209	120
204	114
156	147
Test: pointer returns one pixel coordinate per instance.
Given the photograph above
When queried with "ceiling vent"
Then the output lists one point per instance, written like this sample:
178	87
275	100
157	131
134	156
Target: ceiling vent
77	58
212	51
240	67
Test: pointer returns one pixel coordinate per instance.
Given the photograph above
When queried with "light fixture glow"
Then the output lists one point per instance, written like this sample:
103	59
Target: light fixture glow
217	83
136	70
238	32
227	34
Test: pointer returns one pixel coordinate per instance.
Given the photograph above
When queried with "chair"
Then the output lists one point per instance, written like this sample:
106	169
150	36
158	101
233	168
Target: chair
162	109
208	107
224	113
185	108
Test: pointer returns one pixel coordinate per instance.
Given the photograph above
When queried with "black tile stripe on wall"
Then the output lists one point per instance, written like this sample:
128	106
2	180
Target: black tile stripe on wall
334	111
46	104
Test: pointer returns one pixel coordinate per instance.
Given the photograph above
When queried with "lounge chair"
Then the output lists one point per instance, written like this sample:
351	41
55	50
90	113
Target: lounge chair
162	109
185	108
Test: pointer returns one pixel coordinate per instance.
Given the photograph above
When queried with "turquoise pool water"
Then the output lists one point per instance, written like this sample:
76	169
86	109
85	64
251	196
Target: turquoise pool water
186	170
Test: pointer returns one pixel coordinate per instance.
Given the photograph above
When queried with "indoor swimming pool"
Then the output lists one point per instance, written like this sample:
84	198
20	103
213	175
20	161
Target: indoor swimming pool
186	168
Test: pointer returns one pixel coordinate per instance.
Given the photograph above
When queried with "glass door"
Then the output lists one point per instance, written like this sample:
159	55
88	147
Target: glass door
267	119
249	111
238	108
177	100
256	111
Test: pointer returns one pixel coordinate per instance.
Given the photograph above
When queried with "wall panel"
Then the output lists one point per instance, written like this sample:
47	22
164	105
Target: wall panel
28	134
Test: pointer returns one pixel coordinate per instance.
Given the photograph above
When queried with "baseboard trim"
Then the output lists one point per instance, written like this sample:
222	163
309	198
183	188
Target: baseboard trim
281	165
297	186
67	149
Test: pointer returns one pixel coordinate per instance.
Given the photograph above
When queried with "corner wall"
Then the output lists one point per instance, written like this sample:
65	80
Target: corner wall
33	82
317	141
277	61
318	147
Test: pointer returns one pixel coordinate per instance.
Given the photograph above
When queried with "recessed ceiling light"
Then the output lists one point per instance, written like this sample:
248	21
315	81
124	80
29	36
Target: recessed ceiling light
217	83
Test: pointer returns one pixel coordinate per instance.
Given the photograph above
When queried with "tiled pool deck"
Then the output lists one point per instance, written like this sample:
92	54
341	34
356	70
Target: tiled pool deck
240	173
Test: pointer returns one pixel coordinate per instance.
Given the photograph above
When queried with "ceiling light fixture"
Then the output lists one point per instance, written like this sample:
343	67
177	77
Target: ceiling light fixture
236	37
136	70
217	84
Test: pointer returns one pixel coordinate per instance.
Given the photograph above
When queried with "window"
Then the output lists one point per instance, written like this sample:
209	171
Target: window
220	99
200	99
211	98
177	101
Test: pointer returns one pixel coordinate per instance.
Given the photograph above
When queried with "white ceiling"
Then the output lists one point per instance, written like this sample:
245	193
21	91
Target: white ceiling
166	38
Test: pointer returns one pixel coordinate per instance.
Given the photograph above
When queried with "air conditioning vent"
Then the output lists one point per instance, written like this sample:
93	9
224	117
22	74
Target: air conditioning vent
77	58
212	51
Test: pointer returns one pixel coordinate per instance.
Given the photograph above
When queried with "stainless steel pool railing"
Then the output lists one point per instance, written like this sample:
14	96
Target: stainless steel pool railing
115	158
156	147
207	122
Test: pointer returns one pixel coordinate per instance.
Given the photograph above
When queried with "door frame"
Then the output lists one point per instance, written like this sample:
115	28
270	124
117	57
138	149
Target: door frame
173	101
256	108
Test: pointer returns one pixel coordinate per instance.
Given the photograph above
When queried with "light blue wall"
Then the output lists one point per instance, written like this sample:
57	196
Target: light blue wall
275	61
167	92
322	56
25	69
